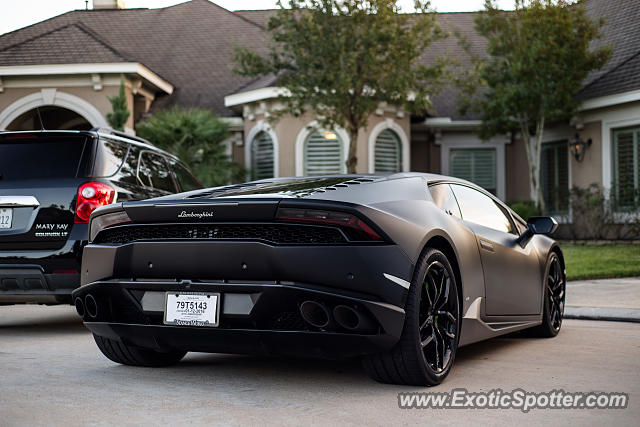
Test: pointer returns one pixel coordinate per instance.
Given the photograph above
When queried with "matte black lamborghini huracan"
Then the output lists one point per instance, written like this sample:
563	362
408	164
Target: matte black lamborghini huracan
400	269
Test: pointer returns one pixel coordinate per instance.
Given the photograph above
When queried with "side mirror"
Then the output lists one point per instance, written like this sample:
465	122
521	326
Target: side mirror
537	225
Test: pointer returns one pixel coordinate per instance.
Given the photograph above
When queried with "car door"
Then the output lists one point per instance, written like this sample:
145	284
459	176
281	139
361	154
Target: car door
511	273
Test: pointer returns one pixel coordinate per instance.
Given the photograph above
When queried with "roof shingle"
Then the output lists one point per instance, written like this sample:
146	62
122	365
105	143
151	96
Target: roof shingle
69	44
190	44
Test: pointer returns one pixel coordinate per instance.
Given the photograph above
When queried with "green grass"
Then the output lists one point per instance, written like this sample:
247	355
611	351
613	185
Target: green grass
599	262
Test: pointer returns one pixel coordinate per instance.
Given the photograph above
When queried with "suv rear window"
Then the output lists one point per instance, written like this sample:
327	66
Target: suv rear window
25	156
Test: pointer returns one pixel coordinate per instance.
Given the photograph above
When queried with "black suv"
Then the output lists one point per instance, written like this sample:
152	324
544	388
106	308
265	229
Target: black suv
50	182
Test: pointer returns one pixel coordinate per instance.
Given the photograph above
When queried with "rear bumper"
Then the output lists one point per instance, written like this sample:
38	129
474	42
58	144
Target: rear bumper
42	276
267	322
22	283
129	282
244	341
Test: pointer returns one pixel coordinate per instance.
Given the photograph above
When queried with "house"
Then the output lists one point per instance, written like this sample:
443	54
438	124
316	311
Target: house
69	65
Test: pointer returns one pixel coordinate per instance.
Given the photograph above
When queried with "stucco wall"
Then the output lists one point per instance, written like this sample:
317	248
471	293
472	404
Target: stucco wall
589	170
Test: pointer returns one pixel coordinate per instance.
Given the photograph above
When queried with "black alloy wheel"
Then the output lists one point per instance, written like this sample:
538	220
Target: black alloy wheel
438	318
427	347
555	285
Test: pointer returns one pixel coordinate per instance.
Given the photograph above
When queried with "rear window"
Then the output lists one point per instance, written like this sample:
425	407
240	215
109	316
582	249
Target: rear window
41	157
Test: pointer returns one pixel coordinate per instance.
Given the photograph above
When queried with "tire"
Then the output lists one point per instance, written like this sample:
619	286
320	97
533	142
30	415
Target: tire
409	362
136	356
554	294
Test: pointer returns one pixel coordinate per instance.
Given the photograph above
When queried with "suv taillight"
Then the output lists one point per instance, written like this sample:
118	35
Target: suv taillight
91	196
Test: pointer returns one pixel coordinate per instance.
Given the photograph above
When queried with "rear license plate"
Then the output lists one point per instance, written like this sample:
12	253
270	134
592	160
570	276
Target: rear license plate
6	217
191	309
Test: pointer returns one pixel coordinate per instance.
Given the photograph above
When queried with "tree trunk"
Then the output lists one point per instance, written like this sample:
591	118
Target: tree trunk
533	148
352	159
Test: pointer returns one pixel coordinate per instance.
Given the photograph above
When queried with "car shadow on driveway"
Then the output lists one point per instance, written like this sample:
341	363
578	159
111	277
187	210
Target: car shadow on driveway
40	320
204	373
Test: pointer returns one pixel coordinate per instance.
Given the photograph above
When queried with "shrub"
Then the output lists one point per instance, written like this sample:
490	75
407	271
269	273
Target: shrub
594	218
120	114
524	208
195	136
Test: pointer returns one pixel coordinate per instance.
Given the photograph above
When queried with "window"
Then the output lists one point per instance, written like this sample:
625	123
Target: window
443	197
110	155
554	174
128	171
262	156
388	152
477	165
481	209
154	172
626	165
185	178
41	156
323	154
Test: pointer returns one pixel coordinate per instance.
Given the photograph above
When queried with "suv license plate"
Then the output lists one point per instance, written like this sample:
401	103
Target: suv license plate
6	217
191	309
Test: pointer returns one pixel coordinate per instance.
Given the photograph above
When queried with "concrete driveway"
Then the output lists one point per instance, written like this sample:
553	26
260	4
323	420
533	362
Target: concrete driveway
53	374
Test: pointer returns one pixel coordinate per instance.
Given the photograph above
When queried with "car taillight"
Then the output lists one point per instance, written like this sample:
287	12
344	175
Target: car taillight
357	229
91	196
106	220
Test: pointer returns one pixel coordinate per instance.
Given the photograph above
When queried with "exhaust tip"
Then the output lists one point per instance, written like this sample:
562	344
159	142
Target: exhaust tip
79	307
314	314
91	306
346	317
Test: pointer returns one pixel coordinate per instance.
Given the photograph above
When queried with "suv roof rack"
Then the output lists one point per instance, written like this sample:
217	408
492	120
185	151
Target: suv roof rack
120	134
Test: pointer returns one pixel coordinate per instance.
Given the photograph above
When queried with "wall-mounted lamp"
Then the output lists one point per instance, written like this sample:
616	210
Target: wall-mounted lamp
578	146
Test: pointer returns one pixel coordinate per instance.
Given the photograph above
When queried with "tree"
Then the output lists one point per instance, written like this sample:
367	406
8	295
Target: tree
120	114
538	57
195	136
343	58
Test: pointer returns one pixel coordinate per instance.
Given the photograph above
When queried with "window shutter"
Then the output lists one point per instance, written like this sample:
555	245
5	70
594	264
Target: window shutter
475	165
626	167
262	156
388	152
555	177
323	154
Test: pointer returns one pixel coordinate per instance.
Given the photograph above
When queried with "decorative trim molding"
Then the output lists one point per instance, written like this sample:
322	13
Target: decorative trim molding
373	135
90	68
254	95
448	124
52	97
609	100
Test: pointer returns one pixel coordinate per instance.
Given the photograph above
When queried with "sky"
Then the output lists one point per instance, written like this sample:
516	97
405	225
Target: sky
15	14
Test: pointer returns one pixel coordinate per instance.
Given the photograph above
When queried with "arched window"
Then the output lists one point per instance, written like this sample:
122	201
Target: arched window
262	156
323	154
388	152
